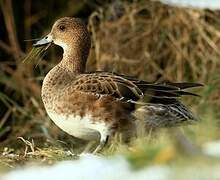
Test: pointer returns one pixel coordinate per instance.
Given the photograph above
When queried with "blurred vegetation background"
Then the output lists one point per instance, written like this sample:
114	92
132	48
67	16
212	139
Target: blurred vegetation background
145	39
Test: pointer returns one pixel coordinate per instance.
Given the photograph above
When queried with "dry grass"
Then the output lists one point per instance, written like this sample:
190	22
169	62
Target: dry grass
157	42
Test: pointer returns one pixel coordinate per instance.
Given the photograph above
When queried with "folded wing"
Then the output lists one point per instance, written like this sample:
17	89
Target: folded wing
127	88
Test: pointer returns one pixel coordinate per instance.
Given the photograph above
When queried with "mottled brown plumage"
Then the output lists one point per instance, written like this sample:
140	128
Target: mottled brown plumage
96	105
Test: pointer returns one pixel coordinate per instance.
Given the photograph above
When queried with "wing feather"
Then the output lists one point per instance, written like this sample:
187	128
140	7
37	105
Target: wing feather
128	88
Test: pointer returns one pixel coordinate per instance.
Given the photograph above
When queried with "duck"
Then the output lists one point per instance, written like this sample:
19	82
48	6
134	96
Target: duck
94	106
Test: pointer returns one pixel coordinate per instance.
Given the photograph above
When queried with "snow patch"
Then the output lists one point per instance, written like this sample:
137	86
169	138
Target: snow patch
201	4
90	167
212	148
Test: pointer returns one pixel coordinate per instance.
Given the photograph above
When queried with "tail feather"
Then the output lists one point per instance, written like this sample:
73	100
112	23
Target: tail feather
159	115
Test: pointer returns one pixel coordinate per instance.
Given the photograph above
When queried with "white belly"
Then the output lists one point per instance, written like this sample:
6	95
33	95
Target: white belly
80	127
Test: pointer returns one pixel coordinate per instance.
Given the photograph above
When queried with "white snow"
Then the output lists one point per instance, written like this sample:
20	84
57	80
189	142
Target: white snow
90	167
117	168
202	4
212	148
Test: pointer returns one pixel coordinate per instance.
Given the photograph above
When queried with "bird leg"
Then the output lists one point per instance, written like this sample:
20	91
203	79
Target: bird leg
103	142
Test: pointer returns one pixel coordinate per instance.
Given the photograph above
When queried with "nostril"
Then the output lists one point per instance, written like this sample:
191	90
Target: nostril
46	37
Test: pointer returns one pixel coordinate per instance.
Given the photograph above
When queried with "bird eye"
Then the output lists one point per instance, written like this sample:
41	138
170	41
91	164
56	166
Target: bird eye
62	28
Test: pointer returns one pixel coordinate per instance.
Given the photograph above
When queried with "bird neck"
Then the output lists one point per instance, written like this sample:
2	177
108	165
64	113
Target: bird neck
74	60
